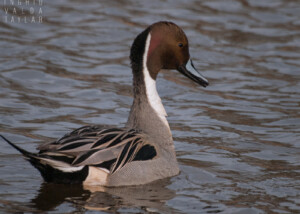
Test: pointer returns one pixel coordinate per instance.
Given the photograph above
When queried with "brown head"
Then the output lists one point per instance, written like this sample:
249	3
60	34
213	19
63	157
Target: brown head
163	45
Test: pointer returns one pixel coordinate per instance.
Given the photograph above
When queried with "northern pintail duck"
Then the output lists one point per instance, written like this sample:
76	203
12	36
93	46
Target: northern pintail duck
141	152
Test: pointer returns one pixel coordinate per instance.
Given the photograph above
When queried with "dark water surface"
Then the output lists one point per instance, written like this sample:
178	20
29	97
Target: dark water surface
237	141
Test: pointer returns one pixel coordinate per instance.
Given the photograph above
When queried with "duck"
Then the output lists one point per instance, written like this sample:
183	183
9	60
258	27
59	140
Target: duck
139	153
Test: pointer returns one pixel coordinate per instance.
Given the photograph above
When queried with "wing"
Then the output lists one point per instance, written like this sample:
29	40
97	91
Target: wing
136	150
111	149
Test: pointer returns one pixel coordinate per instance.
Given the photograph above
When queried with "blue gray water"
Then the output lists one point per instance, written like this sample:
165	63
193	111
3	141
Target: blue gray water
237	141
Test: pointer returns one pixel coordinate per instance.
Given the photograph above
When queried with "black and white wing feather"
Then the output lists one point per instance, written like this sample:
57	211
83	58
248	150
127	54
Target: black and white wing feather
108	149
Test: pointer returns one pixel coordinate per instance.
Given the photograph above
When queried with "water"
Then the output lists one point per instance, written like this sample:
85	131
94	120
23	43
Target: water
237	141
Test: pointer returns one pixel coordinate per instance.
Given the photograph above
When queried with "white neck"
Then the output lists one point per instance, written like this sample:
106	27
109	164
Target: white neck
150	84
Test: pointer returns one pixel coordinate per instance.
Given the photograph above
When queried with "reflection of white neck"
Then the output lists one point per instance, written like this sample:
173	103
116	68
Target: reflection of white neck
150	84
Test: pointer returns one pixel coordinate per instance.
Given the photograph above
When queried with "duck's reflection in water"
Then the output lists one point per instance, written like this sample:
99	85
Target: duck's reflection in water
151	197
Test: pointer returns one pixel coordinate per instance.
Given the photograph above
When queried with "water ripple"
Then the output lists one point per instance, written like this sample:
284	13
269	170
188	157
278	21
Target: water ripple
237	141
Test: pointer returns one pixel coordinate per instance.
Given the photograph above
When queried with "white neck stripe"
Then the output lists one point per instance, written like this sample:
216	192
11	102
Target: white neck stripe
150	85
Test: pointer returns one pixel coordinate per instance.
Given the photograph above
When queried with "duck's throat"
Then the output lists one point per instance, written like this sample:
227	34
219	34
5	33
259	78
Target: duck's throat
150	86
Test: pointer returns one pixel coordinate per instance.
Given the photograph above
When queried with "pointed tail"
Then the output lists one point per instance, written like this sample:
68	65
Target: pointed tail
22	151
52	169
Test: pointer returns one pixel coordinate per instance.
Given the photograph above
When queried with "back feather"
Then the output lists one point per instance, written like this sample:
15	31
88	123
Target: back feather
68	158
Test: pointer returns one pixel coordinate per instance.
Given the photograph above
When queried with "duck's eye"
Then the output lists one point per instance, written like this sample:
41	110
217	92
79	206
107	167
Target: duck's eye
180	45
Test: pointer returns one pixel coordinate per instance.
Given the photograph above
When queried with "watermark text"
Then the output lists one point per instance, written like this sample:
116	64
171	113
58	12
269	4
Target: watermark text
23	11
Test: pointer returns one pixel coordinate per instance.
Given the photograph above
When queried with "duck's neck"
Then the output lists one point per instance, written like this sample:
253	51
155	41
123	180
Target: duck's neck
147	111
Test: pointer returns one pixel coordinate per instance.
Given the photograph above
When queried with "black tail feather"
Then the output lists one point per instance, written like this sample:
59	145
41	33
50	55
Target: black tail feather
48	172
23	151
